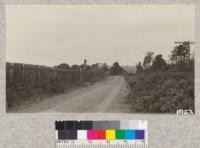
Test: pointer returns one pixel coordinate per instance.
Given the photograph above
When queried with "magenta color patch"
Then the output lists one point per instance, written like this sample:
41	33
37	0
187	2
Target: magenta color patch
92	134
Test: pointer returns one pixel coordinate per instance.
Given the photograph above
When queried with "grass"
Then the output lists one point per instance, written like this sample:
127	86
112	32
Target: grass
18	93
161	91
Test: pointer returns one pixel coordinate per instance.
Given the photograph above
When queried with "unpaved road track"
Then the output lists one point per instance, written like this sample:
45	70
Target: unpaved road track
107	95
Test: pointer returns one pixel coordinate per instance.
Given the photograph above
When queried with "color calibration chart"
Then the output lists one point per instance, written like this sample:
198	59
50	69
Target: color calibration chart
90	134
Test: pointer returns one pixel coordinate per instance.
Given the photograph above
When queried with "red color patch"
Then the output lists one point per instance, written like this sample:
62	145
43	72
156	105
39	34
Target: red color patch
101	134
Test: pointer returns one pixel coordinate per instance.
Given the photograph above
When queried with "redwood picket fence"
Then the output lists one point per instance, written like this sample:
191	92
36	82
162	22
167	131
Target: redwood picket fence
36	75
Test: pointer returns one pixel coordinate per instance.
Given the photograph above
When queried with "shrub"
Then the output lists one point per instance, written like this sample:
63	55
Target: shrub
17	92
55	85
162	92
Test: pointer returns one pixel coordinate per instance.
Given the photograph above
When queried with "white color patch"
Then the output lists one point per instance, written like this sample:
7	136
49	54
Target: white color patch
82	134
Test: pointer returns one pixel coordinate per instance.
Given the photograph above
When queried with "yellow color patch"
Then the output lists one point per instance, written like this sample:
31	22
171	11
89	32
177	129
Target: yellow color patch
110	134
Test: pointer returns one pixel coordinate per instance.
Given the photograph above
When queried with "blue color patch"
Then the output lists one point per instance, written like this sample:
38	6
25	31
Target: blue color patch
139	134
130	134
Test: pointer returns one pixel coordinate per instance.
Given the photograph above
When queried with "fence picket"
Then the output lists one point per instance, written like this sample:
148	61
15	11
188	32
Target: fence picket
37	75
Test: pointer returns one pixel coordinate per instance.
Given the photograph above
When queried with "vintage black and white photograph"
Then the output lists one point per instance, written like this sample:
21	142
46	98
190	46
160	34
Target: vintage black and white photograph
100	58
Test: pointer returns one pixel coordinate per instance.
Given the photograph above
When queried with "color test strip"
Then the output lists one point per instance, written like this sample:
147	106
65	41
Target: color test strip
80	134
98	130
109	134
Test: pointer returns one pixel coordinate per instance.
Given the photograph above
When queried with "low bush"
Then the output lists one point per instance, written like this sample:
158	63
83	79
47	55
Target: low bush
53	86
19	92
161	92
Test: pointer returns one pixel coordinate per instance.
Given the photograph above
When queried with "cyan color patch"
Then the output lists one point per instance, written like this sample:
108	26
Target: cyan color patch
130	134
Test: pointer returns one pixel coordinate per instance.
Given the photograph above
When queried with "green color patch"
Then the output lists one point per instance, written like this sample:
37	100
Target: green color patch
120	134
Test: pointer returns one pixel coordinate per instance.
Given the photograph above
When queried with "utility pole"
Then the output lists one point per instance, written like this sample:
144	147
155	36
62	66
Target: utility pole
84	65
185	43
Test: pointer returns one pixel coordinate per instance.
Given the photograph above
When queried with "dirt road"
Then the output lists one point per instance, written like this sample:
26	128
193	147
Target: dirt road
104	96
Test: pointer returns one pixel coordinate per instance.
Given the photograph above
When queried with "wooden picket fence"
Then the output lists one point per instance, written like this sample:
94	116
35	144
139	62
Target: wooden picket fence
36	75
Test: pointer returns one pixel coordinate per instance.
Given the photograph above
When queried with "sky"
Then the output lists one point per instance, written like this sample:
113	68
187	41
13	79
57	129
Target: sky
53	34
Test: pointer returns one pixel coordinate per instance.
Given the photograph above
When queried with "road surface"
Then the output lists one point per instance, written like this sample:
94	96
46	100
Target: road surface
107	95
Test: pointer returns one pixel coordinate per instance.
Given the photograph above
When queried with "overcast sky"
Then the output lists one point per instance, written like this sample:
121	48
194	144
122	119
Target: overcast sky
53	34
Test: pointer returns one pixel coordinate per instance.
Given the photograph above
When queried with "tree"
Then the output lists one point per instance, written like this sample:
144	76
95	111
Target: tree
159	62
94	66
85	67
88	67
75	67
181	53
148	59
63	66
116	69
174	55
186	51
105	67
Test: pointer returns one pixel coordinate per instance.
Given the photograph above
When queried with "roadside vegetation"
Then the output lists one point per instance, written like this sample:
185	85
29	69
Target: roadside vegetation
163	87
19	92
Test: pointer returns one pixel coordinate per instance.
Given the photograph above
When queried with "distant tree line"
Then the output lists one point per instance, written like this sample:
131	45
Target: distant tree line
180	59
65	66
115	69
